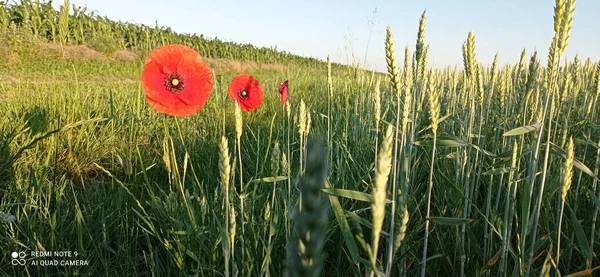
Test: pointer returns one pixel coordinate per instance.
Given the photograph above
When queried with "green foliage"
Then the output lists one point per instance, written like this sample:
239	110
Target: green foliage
87	166
104	44
76	25
16	45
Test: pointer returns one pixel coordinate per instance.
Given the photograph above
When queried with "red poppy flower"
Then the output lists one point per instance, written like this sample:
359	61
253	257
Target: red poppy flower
176	80
247	91
283	90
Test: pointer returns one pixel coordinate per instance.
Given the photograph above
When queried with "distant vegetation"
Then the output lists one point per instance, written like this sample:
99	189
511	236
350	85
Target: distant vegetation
465	171
71	24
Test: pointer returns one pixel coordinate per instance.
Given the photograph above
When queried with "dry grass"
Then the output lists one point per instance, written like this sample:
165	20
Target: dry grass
240	66
84	52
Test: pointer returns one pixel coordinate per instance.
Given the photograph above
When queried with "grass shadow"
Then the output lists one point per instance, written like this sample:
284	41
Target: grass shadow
6	166
37	120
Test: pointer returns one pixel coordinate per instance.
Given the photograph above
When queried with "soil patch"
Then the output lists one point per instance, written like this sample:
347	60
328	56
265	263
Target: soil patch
78	52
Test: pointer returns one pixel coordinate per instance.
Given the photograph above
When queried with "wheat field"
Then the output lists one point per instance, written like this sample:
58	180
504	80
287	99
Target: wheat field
470	170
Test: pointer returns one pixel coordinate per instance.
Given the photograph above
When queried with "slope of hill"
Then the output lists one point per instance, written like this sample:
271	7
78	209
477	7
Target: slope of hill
479	170
76	25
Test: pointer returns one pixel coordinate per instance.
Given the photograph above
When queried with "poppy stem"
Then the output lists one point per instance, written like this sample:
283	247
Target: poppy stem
286	130
242	196
166	155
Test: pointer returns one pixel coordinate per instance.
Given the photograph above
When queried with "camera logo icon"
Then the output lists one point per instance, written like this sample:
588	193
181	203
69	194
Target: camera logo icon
18	258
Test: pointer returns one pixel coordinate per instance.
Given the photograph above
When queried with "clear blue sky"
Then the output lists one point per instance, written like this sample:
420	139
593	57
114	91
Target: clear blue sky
341	28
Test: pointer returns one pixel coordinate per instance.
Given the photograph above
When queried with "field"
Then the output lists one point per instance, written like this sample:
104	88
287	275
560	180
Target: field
417	171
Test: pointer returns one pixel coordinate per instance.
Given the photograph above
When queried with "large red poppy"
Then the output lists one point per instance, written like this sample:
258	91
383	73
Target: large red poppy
283	90
176	80
247	91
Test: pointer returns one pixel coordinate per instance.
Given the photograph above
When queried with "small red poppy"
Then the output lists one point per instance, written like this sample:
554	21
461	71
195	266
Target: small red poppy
176	80
283	90
247	91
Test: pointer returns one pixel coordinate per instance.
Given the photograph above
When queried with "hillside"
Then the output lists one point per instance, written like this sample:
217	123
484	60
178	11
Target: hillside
53	58
300	169
74	25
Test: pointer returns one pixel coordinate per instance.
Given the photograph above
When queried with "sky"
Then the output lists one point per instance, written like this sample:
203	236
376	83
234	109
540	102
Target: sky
355	30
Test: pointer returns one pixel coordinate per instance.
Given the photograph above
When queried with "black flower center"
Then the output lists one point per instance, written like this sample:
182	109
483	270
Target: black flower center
174	82
244	94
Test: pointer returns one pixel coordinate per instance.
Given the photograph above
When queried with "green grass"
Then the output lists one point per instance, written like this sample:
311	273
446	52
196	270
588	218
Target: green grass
79	196
87	166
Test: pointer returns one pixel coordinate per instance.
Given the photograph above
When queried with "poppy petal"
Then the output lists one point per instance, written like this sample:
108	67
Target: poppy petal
198	81
168	56
283	90
153	82
176	61
254	97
